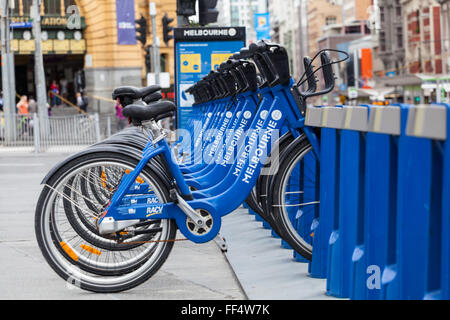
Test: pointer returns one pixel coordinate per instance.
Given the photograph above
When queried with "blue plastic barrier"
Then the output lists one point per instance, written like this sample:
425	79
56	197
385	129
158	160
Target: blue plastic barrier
445	271
322	226
383	231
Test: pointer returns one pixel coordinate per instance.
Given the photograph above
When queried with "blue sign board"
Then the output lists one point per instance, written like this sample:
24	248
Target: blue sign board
21	25
262	26
198	51
126	27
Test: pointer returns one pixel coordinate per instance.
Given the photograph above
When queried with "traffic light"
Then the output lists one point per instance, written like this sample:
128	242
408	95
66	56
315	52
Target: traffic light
148	58
186	8
141	30
167	29
207	12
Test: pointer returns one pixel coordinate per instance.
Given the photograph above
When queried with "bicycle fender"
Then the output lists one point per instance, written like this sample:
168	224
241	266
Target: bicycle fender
124	150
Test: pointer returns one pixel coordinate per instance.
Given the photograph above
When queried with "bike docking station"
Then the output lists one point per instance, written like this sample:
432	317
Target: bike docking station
360	194
383	231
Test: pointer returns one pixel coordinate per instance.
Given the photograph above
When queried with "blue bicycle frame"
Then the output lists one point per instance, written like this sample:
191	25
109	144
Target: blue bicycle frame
272	115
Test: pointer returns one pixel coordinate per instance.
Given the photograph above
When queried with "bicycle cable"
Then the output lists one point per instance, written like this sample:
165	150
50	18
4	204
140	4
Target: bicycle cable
302	81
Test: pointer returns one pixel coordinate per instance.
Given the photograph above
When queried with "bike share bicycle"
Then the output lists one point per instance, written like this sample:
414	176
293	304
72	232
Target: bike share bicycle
108	218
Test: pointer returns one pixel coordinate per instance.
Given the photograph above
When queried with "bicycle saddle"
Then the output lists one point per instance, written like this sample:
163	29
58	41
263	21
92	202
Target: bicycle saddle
133	92
155	111
154	97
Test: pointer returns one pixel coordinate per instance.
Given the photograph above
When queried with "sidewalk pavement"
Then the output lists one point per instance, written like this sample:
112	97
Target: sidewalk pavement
191	272
255	266
265	270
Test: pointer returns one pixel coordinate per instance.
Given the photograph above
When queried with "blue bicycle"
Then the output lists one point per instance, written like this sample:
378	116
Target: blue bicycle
107	219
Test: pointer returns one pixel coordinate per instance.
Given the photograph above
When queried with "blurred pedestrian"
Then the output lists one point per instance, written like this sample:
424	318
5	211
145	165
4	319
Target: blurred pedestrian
64	91
121	120
32	106
82	102
54	90
22	106
22	111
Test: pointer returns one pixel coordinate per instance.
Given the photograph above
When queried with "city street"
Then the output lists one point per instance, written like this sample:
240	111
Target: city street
287	149
191	271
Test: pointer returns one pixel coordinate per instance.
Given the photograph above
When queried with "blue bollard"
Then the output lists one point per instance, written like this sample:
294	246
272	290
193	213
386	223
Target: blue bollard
334	259
345	233
380	213
406	278
322	226
390	286
445	270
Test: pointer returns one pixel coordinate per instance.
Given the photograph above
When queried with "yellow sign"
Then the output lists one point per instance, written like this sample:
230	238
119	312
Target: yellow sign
61	46
47	46
191	63
218	58
14	45
77	46
26	46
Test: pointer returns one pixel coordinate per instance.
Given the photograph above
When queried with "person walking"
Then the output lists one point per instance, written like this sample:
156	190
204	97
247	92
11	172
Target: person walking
32	106
54	88
82	102
121	120
22	106
22	111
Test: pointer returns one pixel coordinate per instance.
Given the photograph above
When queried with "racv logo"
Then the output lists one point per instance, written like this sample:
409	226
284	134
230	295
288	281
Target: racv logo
154	210
152	200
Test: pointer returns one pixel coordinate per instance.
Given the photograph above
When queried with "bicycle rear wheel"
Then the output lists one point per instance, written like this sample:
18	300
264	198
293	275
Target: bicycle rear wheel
295	197
78	258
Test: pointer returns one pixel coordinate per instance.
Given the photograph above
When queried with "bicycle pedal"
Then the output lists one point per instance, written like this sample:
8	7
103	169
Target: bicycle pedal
221	242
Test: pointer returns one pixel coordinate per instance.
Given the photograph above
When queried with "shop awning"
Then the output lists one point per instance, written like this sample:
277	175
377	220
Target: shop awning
379	93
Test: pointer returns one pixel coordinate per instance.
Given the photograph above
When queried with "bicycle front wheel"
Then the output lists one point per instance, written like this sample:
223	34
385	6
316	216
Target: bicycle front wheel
91	261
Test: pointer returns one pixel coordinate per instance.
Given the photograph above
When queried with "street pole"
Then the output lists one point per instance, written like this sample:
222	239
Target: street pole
356	67
8	100
41	91
156	58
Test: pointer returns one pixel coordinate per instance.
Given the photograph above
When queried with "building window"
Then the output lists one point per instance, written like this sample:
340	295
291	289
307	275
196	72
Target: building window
382	41
400	37
16	10
52	7
68	3
27	7
330	20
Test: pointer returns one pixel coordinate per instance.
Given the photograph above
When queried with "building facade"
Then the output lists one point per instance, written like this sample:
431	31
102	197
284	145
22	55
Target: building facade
92	47
321	13
391	36
356	10
423	36
424	50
